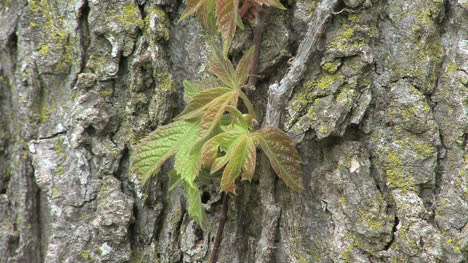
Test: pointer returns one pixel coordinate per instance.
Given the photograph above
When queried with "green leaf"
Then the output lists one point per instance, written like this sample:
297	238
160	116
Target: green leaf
174	180
187	166
220	162
248	104
274	3
205	10
239	120
283	156
195	208
186	159
209	152
192	88
240	24
215	109
158	146
242	159
207	15
227	13
244	66
200	102
192	7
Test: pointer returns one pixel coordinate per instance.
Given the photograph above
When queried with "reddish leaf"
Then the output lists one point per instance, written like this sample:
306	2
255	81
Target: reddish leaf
244	66
200	102
214	110
227	13
219	163
248	168
283	156
222	68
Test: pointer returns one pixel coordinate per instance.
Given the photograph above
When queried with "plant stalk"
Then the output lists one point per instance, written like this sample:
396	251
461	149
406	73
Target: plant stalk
219	232
245	7
258	29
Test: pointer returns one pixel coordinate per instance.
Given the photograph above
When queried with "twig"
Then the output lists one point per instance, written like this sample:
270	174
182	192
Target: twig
259	27
219	232
279	93
245	7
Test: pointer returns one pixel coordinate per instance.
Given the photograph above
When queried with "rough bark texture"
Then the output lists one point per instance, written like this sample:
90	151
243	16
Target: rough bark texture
378	110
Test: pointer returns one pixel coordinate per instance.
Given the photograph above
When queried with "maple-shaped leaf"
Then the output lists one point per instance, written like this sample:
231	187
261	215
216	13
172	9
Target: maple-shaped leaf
215	109
274	3
200	102
158	146
227	13
283	156
238	127
239	149
222	67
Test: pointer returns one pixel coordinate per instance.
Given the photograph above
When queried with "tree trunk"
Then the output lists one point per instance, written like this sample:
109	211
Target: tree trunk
372	92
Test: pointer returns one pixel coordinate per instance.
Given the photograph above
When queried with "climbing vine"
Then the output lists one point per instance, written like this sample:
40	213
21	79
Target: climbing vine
212	137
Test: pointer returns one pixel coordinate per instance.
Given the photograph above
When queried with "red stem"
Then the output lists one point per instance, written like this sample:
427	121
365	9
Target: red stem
219	232
245	7
257	37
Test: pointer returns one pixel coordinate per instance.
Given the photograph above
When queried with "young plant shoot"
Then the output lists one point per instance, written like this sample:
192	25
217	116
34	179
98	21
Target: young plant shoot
211	133
211	136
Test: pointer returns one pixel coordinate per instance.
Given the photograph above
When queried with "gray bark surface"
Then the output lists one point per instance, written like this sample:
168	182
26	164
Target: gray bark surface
372	92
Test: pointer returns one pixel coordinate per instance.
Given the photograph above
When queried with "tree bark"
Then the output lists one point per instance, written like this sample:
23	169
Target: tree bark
372	92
